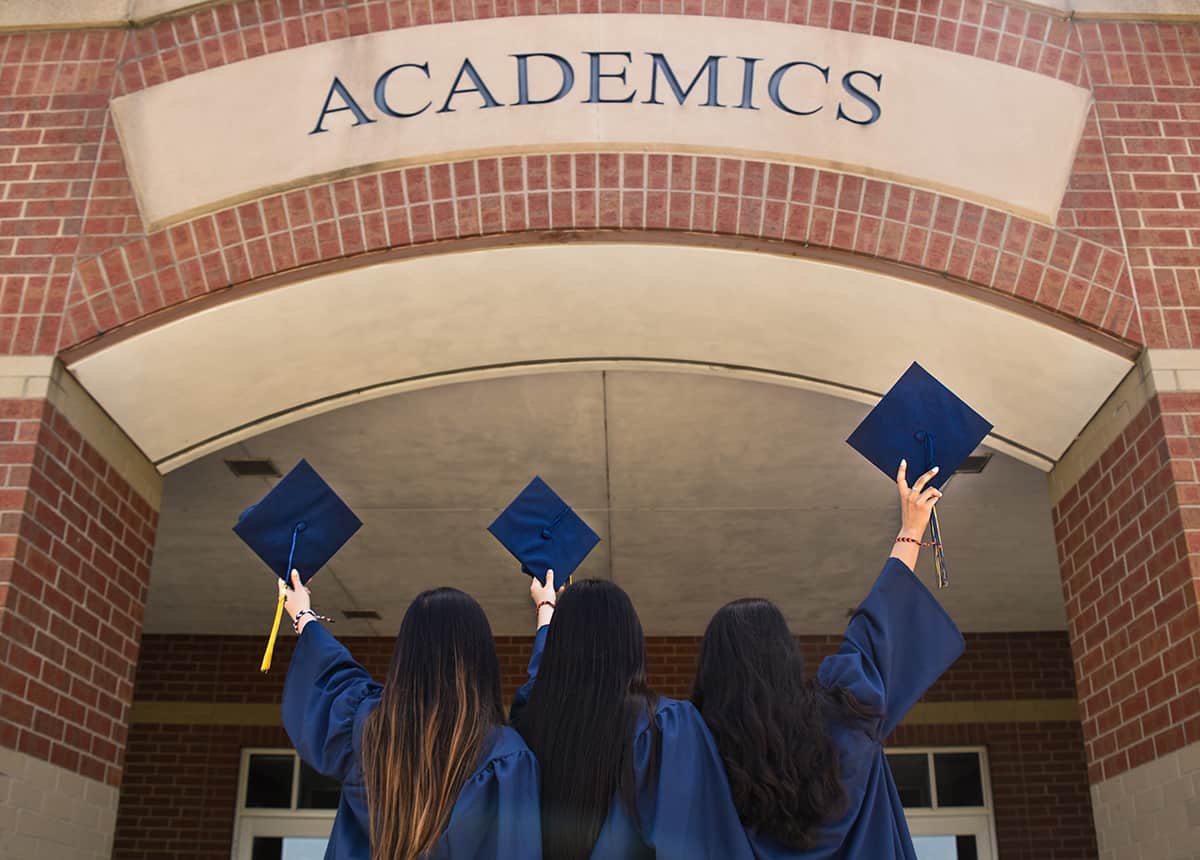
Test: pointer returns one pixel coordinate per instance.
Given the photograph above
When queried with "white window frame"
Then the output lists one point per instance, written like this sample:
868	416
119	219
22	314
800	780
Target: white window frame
979	821
249	823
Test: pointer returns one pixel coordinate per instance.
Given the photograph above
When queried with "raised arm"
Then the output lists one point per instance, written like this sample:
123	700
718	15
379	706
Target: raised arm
900	640
543	597
324	692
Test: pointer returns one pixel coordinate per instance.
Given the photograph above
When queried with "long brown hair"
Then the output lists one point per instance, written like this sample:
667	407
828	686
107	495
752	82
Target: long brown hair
590	695
440	702
771	724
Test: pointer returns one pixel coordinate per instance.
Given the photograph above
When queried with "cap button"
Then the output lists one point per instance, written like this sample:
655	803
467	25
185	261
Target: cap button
546	533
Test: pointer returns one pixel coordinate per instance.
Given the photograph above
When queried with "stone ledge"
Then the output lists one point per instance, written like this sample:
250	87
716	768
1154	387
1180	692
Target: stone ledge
44	378
49	813
1151	812
1157	371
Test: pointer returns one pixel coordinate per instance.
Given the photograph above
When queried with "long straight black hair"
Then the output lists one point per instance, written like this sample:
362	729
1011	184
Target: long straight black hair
440	702
582	714
770	723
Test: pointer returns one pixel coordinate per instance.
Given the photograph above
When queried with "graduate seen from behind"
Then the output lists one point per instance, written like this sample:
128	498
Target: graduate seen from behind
625	773
428	767
805	756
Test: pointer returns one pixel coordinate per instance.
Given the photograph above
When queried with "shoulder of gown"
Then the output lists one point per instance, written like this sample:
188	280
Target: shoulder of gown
899	641
498	813
688	811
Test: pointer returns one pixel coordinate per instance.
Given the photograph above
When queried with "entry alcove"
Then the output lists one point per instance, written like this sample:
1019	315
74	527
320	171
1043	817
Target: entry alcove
704	488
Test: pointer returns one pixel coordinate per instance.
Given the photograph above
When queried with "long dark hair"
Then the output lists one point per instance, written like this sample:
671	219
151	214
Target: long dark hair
440	701
770	723
582	714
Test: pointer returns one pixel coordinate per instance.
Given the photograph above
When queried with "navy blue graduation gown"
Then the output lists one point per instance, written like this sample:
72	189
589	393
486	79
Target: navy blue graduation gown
898	643
326	698
687	813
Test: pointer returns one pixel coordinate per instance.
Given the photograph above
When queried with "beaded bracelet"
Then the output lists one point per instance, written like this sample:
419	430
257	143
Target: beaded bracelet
917	542
302	613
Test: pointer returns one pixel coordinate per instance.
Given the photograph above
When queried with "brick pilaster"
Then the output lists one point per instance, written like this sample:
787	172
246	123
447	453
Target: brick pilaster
75	546
1128	533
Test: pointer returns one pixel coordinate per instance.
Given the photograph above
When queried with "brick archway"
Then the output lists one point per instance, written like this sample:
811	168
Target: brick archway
1076	270
684	197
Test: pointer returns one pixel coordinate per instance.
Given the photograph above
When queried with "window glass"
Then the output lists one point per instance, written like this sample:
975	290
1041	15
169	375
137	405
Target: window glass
288	848
269	782
317	791
304	848
945	847
267	848
959	782
911	772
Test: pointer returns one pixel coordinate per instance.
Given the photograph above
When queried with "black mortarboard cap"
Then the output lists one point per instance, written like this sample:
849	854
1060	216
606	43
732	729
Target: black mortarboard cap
300	524
544	533
921	421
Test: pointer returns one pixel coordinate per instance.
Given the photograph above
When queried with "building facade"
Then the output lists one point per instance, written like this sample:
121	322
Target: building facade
227	226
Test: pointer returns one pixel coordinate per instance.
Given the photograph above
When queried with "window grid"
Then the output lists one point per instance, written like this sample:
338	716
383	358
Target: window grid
293	811
930	753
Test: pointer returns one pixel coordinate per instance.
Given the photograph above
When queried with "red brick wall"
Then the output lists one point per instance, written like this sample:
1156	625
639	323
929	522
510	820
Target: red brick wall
1146	81
75	545
225	668
179	791
1125	536
109	271
1040	794
54	92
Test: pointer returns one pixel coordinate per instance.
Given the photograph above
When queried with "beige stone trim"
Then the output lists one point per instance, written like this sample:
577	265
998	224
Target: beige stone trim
928	713
206	713
63	14
979	152
50	813
76	14
43	377
1156	371
1151	812
996	711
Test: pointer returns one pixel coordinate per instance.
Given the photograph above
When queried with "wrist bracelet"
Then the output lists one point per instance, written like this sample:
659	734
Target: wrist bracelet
917	542
549	603
302	613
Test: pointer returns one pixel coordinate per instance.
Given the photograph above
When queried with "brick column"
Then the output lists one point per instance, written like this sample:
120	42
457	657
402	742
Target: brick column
77	521
1127	523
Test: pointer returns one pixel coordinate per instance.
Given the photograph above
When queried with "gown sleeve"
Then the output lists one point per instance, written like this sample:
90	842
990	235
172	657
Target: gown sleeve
899	641
498	814
323	695
688	812
521	699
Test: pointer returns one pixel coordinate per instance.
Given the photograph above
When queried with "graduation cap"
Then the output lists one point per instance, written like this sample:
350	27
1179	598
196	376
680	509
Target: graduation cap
299	525
544	533
924	422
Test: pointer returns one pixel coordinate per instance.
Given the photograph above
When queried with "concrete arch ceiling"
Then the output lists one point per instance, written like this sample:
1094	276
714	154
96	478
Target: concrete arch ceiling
200	382
703	489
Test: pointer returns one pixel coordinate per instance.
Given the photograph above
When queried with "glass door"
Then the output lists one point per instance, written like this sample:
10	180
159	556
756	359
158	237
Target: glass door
285	808
947	800
951	837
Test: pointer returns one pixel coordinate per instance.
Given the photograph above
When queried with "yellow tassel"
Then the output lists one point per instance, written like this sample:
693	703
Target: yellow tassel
266	660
